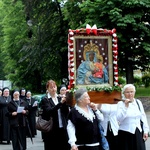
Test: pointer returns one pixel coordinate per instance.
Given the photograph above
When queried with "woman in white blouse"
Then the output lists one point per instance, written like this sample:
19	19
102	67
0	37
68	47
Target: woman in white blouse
130	112
82	125
110	124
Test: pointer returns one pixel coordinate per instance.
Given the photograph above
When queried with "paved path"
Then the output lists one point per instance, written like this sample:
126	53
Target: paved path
38	143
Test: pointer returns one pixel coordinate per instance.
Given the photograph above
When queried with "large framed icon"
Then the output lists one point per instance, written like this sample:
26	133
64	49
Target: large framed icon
92	58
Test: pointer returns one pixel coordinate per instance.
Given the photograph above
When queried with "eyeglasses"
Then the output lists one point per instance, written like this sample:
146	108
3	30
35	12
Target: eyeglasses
129	92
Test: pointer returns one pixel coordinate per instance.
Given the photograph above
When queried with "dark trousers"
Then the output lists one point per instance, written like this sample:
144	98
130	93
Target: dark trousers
18	135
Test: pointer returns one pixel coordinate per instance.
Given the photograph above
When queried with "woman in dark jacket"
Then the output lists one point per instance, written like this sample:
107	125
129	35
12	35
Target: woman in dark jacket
56	107
17	119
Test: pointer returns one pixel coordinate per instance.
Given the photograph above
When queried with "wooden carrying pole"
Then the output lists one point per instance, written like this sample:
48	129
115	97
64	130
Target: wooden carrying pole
101	97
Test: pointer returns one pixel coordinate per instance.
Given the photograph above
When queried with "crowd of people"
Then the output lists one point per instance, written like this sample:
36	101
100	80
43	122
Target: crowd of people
74	127
17	117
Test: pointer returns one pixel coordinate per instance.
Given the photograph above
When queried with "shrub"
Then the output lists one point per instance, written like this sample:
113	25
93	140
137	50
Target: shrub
121	80
137	81
146	80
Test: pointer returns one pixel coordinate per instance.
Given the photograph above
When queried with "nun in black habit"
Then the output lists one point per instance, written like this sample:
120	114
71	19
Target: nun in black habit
22	93
4	122
17	114
32	108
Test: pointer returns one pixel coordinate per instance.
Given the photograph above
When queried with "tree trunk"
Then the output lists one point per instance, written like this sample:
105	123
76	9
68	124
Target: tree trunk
129	69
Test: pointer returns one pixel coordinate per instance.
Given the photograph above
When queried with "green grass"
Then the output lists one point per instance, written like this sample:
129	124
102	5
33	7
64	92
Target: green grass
142	91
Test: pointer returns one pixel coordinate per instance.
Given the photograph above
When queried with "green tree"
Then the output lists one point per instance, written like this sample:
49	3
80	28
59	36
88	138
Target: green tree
34	54
130	18
31	55
2	74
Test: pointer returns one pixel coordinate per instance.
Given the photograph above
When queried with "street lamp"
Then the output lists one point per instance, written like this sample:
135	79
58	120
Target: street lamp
29	23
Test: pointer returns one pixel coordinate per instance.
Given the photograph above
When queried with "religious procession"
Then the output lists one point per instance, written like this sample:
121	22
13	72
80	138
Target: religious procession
72	118
79	74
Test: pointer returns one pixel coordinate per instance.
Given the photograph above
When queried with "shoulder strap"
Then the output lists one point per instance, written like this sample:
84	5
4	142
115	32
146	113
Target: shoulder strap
138	104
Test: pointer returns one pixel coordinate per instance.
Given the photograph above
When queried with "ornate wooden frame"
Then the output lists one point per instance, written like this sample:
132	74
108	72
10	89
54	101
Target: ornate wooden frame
77	54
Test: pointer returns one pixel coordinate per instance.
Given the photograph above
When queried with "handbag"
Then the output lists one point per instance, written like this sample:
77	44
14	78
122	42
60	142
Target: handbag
103	141
44	125
141	122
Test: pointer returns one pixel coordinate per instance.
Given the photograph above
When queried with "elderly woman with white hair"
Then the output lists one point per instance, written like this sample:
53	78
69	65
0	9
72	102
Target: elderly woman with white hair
17	112
82	125
129	114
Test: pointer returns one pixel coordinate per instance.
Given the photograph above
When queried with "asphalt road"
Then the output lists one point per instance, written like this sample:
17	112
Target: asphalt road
38	143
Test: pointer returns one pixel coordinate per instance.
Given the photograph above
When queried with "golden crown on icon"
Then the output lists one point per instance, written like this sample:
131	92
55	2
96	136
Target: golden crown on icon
91	47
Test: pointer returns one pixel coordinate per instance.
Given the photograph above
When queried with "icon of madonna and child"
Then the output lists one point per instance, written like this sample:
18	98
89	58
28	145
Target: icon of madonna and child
92	70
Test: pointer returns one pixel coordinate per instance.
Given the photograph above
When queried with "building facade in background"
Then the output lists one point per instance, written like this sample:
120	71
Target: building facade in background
5	83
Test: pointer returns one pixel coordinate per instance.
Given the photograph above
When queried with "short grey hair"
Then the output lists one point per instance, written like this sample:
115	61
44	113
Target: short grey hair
79	93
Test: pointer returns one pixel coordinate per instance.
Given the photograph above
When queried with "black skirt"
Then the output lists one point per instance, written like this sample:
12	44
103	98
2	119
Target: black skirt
129	141
112	140
89	148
